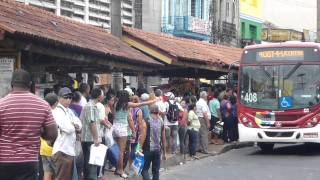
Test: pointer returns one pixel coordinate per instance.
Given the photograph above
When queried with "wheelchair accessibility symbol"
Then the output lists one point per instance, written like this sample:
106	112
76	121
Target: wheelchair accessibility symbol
285	102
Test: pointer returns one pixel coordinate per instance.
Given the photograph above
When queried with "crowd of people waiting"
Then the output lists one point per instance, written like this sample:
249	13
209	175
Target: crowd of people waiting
154	124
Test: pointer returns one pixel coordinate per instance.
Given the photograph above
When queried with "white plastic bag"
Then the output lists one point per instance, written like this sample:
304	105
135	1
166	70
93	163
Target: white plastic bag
97	154
109	137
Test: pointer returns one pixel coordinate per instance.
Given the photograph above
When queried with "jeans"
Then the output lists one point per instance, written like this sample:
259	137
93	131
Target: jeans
192	141
19	171
182	135
90	172
229	129
153	157
174	136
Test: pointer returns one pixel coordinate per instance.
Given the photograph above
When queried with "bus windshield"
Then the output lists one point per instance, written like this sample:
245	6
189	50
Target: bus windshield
279	87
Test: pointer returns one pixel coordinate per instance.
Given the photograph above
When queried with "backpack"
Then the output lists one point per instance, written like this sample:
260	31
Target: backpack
173	112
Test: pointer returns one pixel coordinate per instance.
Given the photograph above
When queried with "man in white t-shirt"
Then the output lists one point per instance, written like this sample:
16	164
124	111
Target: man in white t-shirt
204	115
85	92
173	125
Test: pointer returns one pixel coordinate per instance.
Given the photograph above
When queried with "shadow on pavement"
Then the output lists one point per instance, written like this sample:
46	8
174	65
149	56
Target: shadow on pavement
292	149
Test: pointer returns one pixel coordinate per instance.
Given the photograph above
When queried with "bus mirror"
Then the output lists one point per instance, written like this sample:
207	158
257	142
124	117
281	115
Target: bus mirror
232	79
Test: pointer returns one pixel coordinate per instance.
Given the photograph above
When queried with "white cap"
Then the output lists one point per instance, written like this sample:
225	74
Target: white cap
170	95
145	97
129	90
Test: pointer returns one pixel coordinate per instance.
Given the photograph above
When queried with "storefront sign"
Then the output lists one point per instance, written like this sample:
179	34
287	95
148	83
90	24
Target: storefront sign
6	70
199	26
281	35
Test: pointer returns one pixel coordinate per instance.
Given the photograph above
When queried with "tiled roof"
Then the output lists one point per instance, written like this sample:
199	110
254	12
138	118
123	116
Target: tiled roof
17	18
186	49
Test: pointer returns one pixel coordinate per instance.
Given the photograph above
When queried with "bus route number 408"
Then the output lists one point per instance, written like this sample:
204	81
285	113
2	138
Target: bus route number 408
251	97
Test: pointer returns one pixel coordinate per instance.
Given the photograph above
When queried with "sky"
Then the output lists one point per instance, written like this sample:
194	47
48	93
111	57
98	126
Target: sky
293	14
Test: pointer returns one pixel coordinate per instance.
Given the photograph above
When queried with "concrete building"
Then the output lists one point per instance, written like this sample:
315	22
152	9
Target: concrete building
224	18
94	12
186	18
251	21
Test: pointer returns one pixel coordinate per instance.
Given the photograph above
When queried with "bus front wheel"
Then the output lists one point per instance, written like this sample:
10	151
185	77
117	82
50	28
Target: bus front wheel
266	147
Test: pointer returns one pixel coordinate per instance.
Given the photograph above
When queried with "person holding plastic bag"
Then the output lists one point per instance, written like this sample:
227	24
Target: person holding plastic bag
155	141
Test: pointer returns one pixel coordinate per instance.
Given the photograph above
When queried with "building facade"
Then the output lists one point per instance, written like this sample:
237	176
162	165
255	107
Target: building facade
186	18
224	19
250	22
94	12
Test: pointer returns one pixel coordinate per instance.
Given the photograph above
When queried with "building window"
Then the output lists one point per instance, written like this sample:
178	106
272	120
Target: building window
202	9
170	12
193	8
233	10
253	32
227	9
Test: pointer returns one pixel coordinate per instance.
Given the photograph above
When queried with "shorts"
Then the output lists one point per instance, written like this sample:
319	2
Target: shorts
120	130
47	164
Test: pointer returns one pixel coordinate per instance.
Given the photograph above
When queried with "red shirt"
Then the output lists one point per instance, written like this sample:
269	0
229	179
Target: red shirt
22	116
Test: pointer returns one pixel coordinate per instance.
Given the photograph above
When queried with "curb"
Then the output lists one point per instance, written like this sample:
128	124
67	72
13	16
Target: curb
235	146
178	159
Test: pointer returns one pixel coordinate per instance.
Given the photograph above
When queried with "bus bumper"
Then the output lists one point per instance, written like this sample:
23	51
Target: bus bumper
301	135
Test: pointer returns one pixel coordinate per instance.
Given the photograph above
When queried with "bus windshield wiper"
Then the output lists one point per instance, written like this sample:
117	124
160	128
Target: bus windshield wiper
268	75
293	70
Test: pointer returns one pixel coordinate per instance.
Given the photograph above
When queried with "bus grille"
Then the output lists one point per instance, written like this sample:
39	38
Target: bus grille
278	134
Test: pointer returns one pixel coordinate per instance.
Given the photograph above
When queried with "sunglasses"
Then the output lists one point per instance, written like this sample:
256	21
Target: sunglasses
67	97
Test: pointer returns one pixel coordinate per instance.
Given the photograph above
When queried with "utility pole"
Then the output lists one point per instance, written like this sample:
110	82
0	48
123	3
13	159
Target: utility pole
116	30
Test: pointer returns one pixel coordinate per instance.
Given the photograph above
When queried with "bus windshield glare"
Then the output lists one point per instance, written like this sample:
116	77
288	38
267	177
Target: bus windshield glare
279	87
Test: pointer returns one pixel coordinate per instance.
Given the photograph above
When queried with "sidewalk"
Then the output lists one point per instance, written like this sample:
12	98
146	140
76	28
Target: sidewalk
179	159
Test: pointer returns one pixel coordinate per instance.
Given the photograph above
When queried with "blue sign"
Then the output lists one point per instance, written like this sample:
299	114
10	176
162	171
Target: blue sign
285	102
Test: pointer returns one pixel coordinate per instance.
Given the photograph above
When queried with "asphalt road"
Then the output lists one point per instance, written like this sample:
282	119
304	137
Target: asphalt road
287	162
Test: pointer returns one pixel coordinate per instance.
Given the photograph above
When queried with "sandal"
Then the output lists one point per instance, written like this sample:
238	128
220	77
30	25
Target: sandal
123	175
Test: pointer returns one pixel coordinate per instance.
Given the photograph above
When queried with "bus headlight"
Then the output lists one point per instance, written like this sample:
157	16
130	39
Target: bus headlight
244	120
314	120
309	125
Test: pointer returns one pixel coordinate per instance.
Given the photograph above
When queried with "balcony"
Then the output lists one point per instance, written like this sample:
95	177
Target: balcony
186	26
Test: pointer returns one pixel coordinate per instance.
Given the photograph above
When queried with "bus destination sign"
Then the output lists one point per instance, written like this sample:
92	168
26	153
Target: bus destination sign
277	55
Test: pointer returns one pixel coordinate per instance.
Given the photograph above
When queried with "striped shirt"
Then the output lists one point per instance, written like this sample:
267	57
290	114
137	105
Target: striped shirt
22	116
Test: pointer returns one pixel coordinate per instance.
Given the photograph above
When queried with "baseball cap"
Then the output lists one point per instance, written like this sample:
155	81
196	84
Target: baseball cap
64	92
129	90
145	96
170	95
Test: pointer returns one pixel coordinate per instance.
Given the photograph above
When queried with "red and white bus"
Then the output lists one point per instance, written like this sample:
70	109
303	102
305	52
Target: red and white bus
279	94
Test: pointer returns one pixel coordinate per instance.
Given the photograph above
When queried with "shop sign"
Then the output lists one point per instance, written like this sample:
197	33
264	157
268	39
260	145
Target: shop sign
199	26
6	70
281	35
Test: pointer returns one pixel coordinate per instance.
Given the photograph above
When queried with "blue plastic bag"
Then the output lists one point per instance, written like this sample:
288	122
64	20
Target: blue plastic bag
138	164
